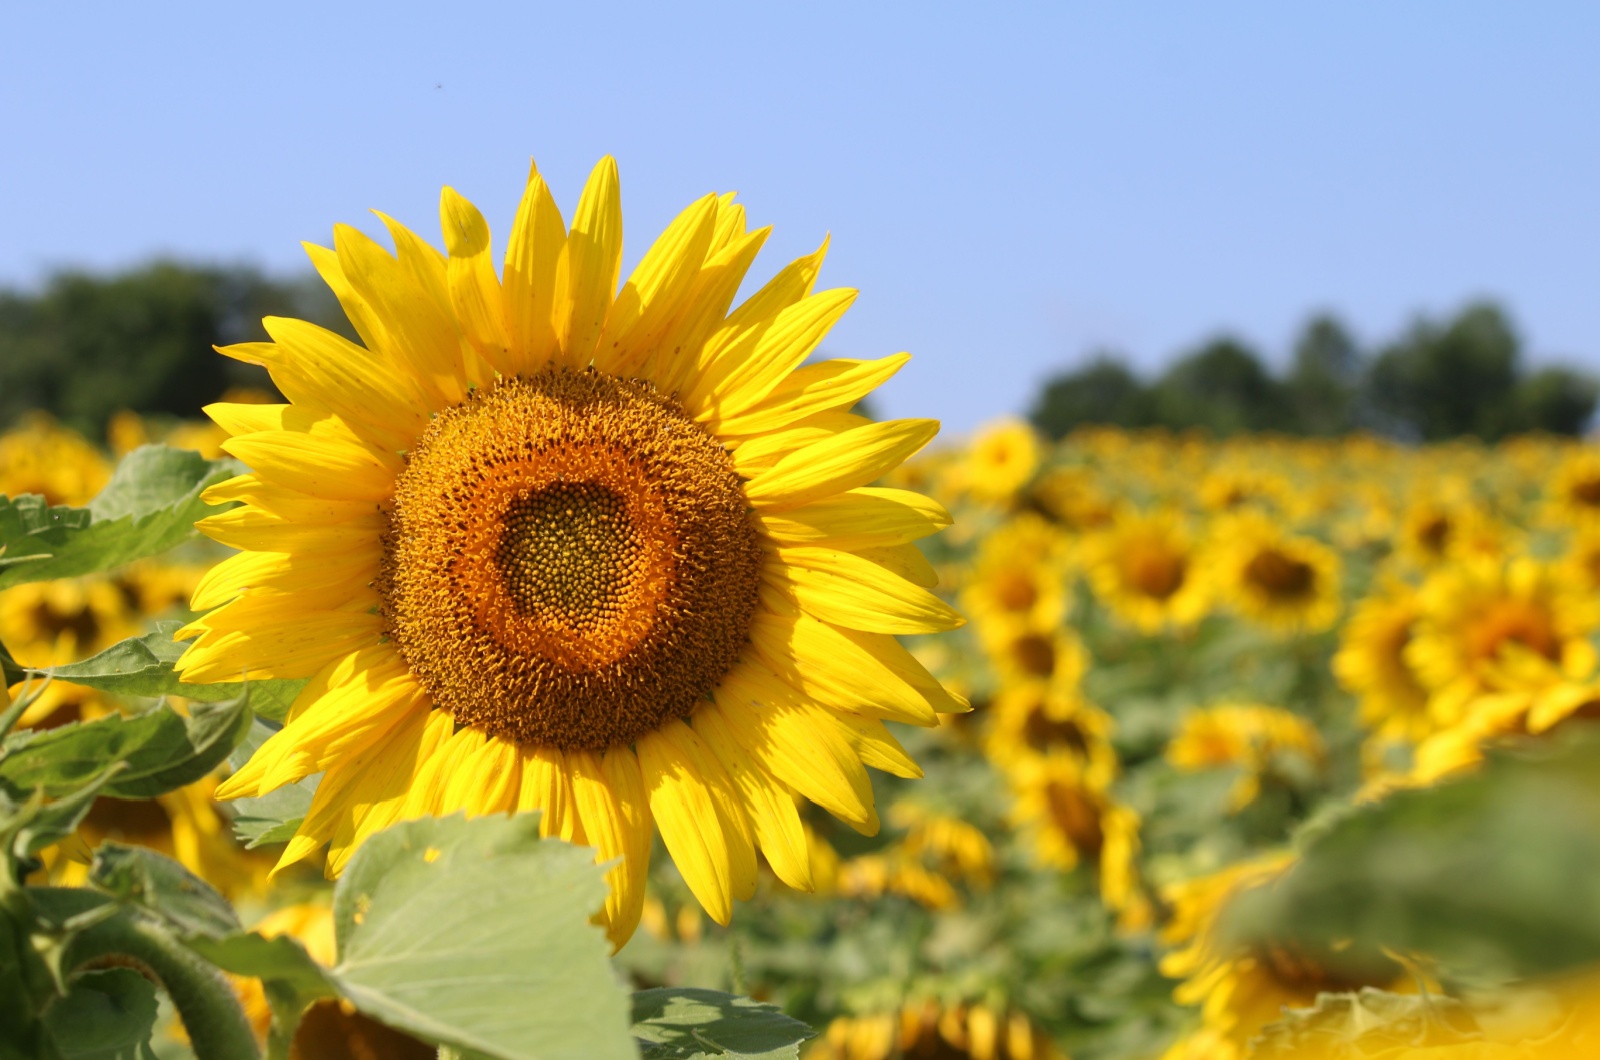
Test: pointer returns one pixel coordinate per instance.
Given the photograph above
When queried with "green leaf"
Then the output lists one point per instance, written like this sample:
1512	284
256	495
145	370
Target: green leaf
476	934
163	887
107	1015
275	816
11	671
142	666
36	824
161	749
689	1024
1491	874
291	979
149	506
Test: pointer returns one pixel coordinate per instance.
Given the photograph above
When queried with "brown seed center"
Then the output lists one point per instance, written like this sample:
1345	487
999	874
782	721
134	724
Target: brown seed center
569	561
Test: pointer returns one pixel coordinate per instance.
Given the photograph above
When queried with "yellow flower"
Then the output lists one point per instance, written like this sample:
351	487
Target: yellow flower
1032	720
1144	568
184	824
1436	532
1017	579
1582	559
46	624
1239	989
543	544
1074	498
41	457
1574	494
1478	616
1052	659
1228	489
933	1029
1070	820
1000	460
1258	740
953	846
1286	583
1371	664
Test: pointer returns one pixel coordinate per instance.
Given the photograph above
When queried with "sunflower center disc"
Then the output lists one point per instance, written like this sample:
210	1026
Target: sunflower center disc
569	561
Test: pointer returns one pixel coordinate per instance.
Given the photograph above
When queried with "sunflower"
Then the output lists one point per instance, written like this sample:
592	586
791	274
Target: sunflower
1074	498
1144	568
1581	561
46	624
1262	742
1055	659
1071	821
41	457
1435	532
1574	494
1478	616
1000	460
933	1029
1017	578
1371	664
1029	721
1289	584
542	544
1240	988
184	824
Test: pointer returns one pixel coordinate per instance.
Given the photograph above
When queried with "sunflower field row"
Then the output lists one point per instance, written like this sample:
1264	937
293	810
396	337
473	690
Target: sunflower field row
1277	748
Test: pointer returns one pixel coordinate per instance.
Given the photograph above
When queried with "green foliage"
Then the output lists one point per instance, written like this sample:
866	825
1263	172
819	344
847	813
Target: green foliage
149	506
692	1024
106	1015
158	750
1465	377
475	934
1490	875
138	876
143	666
86	346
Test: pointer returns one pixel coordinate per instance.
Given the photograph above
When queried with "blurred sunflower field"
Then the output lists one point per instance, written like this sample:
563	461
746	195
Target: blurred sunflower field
1277	747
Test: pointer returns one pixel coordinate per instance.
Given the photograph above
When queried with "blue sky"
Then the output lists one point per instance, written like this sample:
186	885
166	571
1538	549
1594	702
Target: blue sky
1008	186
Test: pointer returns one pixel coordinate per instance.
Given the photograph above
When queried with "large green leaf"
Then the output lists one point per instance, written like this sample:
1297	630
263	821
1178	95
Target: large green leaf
476	934
143	666
163	888
690	1024
149	506
290	978
107	1015
161	750
1492	874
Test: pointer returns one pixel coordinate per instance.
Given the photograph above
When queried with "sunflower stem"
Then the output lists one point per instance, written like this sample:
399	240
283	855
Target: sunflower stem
211	1014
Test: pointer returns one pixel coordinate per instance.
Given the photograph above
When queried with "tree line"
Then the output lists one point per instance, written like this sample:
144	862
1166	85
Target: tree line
1464	376
84	345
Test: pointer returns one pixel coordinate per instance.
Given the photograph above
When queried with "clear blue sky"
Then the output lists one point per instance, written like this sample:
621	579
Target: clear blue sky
1008	185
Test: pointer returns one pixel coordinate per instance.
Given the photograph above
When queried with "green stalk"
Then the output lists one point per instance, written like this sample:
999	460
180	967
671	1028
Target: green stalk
211	1015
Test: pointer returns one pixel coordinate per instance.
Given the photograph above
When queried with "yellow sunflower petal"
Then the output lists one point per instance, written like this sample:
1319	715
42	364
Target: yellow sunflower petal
771	810
755	455
320	467
847	590
609	830
590	263
384	782
657	292
829	385
684	808
906	561
865	517
844	461
546	787
768	718
831	669
764	354
625	782
474	288
538	236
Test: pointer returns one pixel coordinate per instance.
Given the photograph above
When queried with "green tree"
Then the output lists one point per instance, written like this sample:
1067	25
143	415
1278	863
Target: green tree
85	345
1104	392
1558	400
1324	377
1223	387
1446	382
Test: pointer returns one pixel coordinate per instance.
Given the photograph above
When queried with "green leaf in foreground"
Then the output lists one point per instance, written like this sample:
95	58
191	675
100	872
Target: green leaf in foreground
161	750
690	1024
1492	874
150	505
142	666
107	1015
162	887
476	934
